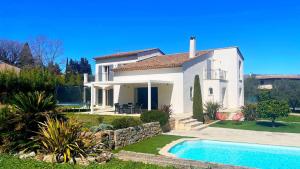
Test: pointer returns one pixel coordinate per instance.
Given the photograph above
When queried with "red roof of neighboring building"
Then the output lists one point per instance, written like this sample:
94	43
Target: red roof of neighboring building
125	54
161	61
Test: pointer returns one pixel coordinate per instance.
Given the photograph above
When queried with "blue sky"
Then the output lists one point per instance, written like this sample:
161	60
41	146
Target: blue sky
268	33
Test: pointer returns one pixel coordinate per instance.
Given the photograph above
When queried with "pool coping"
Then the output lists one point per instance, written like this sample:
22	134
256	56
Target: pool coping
165	150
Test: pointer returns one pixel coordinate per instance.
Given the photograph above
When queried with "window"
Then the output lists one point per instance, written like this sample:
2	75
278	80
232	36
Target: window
211	91
191	93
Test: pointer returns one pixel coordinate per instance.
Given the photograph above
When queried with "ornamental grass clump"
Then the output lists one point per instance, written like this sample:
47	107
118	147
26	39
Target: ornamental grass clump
65	140
211	108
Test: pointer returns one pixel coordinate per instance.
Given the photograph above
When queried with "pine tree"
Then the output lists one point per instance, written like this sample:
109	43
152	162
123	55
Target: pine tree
26	59
197	100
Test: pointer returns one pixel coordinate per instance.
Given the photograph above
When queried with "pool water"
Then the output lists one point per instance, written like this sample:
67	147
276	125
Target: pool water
239	154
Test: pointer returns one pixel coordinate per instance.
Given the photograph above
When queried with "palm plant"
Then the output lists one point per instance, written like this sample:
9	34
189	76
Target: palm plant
34	102
32	108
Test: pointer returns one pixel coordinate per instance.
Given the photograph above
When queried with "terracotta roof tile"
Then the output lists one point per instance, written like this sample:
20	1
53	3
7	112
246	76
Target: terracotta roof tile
124	54
161	61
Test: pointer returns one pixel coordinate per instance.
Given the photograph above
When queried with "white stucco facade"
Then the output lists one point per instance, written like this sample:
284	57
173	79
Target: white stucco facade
220	72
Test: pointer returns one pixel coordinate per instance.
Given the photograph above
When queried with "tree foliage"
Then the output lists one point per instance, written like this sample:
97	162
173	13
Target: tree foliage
78	67
273	109
46	50
197	100
287	90
10	51
251	89
25	60
28	80
75	70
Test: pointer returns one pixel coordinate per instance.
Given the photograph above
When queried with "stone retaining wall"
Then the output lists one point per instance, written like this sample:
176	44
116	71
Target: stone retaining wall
131	135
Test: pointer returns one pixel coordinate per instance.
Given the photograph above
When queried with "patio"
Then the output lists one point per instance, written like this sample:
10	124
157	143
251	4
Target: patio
129	97
244	136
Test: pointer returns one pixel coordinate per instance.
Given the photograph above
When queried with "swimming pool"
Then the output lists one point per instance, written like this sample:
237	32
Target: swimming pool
239	154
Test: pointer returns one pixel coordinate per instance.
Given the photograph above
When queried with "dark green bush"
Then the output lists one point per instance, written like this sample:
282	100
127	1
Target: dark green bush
249	111
28	80
155	116
125	122
197	100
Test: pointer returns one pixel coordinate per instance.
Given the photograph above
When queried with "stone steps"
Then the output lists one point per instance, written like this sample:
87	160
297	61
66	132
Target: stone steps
188	123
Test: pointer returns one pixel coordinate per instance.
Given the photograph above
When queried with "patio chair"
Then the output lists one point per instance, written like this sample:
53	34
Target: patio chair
138	108
117	108
125	108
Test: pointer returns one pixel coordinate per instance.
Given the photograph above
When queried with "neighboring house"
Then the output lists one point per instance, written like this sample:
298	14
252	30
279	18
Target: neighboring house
153	78
5	66
267	81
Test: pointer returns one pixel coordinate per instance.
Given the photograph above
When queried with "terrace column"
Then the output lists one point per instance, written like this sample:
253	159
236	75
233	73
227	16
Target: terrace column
92	98
103	97
84	94
96	91
149	96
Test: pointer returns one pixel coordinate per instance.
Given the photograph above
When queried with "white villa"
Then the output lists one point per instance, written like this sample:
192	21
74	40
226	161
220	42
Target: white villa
152	78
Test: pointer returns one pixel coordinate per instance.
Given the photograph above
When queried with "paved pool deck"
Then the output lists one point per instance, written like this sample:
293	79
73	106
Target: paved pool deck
243	136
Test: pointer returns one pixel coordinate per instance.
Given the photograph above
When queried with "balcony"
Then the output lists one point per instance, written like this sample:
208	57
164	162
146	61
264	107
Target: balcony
214	74
106	76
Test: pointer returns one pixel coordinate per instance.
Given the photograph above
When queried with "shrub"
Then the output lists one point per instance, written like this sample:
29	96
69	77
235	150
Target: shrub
29	80
63	139
124	122
155	116
197	100
102	126
249	111
273	109
167	109
211	108
20	121
32	108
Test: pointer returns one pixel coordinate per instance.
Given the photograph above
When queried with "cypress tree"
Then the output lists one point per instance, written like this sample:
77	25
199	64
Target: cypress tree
26	59
197	100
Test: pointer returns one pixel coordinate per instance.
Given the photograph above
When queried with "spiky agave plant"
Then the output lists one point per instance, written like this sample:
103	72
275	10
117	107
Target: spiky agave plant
61	138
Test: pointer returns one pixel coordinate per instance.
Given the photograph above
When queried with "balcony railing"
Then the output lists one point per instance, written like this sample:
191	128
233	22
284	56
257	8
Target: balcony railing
215	74
107	76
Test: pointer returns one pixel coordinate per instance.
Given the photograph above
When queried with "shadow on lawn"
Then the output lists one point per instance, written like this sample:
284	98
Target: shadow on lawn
269	124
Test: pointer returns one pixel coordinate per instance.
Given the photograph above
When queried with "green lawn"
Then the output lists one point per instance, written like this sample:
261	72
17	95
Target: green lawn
89	120
151	145
11	162
260	126
290	118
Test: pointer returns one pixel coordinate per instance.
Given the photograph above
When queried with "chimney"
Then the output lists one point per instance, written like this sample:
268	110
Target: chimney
192	47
